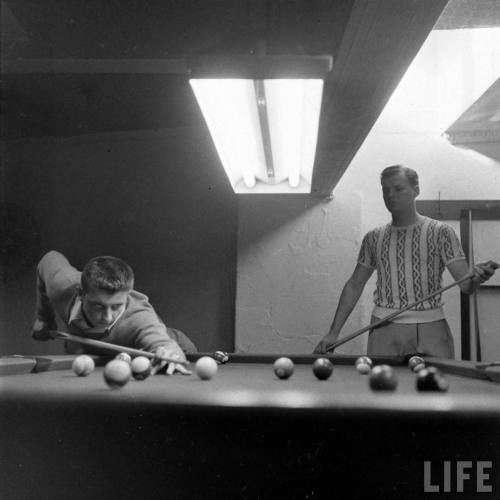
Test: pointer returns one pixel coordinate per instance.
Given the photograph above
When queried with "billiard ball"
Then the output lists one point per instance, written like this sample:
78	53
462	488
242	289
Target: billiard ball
283	368
383	378
117	373
431	379
322	368
141	367
83	365
363	368
416	363
221	357
124	357
205	367
364	360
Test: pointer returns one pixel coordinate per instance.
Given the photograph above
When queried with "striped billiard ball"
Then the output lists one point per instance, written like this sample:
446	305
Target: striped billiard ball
363	360
416	363
283	368
124	356
363	368
141	367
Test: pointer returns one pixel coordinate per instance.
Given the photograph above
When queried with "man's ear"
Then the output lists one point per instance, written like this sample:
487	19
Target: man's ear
417	189
79	291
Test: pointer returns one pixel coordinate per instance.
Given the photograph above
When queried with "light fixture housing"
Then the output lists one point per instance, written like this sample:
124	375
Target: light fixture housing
263	115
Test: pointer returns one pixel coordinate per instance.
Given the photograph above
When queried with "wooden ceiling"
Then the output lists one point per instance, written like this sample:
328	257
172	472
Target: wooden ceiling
78	67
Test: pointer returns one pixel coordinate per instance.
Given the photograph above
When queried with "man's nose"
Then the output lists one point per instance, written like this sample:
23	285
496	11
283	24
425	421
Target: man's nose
108	315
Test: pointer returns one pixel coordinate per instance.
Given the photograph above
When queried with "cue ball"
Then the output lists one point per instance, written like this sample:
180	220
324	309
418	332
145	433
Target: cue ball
416	363
283	368
383	378
365	360
124	357
117	373
363	368
322	368
205	367
141	367
431	379
83	365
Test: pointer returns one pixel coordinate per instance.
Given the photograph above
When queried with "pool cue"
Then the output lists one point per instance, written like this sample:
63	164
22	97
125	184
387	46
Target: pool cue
112	347
345	339
473	299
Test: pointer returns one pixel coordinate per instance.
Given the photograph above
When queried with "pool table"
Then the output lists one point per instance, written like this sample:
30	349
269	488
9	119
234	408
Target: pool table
243	434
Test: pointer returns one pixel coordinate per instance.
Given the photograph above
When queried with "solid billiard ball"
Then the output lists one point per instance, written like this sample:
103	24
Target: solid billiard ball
117	373
416	363
383	378
431	379
83	365
363	368
283	368
124	357
364	360
141	367
221	357
322	368
205	367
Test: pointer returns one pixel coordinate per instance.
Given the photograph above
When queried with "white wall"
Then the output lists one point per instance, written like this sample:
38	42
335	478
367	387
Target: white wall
293	259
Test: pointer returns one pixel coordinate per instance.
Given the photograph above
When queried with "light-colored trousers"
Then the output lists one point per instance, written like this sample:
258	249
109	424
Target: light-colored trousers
401	339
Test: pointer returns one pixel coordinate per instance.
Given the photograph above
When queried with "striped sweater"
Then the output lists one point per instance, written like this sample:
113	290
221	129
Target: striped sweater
410	261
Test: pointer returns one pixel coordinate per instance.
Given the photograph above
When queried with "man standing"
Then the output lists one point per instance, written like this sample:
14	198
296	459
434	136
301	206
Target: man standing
409	255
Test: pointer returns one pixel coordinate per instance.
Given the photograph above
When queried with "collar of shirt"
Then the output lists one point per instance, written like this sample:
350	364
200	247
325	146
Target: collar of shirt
77	318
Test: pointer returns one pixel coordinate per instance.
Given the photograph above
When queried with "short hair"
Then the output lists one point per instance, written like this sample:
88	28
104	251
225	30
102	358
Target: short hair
107	273
410	174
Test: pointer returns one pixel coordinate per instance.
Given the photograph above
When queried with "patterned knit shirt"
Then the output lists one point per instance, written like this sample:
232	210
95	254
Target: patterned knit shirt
410	261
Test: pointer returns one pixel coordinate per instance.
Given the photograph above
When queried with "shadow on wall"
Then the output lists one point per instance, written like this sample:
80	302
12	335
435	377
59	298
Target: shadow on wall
260	215
294	256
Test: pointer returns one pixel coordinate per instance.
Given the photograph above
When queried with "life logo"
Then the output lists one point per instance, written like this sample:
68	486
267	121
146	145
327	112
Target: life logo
459	476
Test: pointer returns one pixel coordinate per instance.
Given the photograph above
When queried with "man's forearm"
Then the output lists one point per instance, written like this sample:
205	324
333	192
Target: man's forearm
348	300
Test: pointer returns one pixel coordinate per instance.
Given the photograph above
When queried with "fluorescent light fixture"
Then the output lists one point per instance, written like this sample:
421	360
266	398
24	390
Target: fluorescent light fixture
263	114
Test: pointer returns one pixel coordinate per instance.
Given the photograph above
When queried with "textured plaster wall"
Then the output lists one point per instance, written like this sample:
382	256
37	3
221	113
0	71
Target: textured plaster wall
295	254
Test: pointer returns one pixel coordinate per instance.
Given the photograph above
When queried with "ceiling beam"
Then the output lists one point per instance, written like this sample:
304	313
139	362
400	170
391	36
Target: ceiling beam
176	66
381	39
